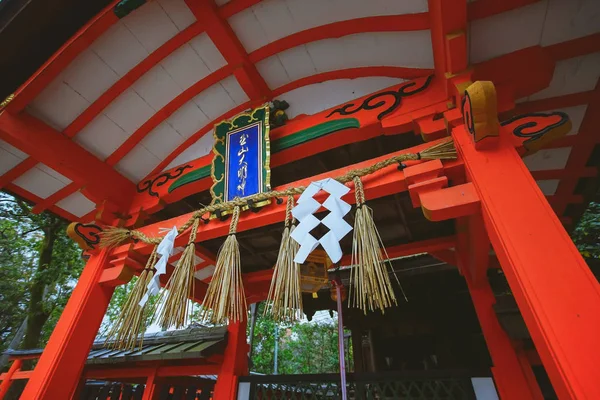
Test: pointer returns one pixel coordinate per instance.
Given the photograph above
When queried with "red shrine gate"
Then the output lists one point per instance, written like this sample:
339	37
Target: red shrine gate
487	191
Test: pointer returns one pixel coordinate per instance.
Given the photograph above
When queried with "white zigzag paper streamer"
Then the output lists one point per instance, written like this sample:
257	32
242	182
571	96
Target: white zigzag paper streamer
165	249
338	228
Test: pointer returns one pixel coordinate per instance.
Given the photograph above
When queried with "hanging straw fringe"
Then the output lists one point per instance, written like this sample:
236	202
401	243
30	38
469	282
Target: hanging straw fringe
128	330
225	298
285	296
174	310
443	150
369	280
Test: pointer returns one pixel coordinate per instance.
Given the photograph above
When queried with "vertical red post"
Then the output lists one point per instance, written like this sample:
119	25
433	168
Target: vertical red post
58	371
510	380
7	381
150	391
557	294
235	362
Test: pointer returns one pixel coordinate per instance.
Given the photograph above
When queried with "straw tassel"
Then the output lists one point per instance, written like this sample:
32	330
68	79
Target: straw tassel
112	237
285	296
369	280
225	298
128	330
175	308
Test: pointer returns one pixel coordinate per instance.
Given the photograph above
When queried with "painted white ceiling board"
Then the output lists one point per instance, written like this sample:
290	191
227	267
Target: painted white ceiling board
58	104
297	63
548	186
573	75
151	25
157	87
273	72
185	66
77	204
162	140
207	50
101	137
548	159
332	93
42	181
214	101
89	75
490	38
188	119
234	90
202	147
270	20
129	111
119	48
138	163
570	19
10	157
179	12
576	115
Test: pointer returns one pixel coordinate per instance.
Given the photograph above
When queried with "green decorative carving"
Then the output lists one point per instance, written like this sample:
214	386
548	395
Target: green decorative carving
303	136
124	7
313	132
190	177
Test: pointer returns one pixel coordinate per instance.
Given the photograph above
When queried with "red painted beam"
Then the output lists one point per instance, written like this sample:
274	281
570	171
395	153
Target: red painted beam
575	47
66	157
32	197
447	16
381	183
231	48
17	171
55	197
382	23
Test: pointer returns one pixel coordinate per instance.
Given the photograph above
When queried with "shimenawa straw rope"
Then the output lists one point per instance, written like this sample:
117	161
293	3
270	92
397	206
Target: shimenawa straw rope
285	296
444	150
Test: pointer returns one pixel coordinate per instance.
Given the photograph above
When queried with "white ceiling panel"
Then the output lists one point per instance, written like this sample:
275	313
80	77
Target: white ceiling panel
271	20
58	104
490	38
10	157
78	75
273	72
179	12
570	19
185	66
332	93
573	75
205	273
297	62
151	25
235	91
162	140
576	115
214	101
42	181
209	53
188	119
201	148
119	48
157	87
546	159
101	137
129	111
77	204
138	163
548	186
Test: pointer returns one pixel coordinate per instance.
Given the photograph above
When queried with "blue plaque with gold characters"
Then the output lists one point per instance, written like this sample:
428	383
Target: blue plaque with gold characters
240	166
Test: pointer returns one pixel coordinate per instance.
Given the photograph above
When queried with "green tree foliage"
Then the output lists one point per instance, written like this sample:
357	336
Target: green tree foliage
39	266
587	234
304	347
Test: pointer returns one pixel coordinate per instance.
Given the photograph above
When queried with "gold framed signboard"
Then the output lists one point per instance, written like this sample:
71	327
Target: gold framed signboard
241	162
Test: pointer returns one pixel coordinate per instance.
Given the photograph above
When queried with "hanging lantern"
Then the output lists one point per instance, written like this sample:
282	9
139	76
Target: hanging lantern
313	272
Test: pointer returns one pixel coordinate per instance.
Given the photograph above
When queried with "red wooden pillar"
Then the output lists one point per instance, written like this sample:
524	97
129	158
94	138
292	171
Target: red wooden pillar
235	362
510	379
7	381
557	294
58	371
151	389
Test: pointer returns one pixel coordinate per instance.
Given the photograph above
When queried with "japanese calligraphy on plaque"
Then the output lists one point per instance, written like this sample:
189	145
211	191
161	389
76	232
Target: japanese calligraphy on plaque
240	166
